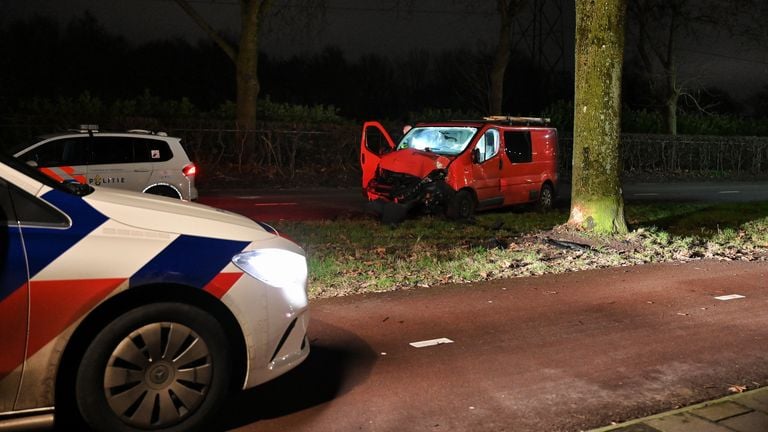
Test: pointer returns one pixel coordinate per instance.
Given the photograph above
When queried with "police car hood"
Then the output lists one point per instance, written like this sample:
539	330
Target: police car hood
170	215
414	162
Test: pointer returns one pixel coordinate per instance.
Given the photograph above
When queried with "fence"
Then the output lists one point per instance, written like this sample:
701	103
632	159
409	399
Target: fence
318	154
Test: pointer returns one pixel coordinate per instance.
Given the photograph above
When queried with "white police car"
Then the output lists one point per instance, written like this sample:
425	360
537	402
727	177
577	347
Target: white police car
138	160
137	312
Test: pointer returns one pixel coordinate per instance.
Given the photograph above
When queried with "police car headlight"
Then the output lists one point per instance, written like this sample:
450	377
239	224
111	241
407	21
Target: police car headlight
279	268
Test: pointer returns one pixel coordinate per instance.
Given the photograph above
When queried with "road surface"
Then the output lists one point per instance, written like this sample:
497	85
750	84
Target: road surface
553	353
331	203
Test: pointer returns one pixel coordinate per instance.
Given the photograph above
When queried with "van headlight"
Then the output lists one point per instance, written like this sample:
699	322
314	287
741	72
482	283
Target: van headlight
279	268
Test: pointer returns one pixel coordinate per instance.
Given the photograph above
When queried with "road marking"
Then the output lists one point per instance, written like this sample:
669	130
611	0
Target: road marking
275	204
431	342
729	192
730	297
647	194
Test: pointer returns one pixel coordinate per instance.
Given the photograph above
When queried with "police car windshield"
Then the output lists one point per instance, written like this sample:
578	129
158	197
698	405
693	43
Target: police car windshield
444	140
76	189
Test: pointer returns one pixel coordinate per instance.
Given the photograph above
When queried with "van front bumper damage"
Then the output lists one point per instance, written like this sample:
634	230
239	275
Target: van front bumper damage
394	195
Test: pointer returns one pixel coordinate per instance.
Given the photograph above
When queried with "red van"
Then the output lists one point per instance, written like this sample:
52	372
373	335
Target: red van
458	167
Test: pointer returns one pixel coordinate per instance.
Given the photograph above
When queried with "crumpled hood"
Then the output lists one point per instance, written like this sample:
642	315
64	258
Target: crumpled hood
170	215
414	162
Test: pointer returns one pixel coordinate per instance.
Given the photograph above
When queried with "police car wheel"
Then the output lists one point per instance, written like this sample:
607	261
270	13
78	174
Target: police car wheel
165	191
161	367
462	206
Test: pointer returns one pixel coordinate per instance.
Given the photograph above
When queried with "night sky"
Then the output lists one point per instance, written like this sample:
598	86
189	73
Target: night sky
365	26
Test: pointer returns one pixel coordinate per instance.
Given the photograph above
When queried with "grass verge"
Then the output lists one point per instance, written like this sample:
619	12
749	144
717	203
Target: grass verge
363	255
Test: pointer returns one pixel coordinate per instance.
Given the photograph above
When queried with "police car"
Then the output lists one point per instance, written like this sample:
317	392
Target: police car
139	160
133	312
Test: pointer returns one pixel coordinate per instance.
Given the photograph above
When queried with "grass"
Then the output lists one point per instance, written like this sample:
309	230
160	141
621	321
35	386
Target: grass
363	255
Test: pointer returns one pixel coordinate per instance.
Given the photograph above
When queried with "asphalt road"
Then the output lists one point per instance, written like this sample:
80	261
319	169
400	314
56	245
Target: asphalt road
331	203
553	353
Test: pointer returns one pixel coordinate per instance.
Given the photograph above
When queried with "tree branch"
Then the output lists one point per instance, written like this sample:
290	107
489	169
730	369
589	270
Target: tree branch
225	46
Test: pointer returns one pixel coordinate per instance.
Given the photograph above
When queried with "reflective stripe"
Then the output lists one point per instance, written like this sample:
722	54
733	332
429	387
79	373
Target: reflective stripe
63	174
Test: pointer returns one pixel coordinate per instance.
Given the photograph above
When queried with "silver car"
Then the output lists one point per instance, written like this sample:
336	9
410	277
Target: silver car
136	160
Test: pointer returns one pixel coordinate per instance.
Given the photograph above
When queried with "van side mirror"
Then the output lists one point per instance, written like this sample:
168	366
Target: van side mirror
476	155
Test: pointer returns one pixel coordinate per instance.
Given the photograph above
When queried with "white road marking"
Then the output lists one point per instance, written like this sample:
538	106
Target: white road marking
275	204
431	342
729	192
730	297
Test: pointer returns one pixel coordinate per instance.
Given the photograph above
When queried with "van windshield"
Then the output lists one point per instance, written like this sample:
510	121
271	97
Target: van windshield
444	140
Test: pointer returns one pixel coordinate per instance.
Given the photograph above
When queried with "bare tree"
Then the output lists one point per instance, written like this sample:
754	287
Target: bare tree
596	202
507	10
245	56
659	26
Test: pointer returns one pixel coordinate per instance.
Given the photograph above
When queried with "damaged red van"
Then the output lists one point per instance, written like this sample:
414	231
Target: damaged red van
458	167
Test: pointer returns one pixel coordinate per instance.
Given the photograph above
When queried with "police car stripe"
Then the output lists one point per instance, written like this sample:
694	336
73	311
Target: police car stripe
13	330
222	282
38	239
55	305
205	259
15	275
97	257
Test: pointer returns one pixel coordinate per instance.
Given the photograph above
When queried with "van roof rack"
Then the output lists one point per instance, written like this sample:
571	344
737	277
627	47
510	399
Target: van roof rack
511	120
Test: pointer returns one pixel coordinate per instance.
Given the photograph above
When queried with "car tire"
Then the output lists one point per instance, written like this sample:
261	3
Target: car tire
165	191
164	367
546	198
461	206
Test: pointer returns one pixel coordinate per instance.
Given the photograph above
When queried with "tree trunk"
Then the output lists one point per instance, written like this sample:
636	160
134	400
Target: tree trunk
672	96
247	73
596	201
501	56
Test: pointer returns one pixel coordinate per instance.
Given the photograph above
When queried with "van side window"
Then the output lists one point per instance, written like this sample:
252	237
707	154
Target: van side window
487	146
151	150
68	151
517	146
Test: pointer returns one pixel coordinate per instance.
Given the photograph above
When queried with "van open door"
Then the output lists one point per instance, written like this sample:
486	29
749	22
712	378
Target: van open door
374	143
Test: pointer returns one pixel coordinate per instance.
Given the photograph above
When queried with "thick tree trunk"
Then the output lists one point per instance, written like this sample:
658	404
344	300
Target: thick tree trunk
247	73
596	201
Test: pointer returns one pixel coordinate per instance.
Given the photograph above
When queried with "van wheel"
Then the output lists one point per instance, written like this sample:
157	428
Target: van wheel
165	191
162	367
546	198
462	206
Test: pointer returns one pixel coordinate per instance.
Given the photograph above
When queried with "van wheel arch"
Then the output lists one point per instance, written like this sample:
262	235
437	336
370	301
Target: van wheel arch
462	205
546	199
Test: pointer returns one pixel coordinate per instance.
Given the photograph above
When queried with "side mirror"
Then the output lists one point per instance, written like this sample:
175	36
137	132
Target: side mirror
476	155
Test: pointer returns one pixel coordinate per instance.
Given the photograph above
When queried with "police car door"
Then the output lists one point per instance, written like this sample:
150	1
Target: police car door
14	301
63	159
113	163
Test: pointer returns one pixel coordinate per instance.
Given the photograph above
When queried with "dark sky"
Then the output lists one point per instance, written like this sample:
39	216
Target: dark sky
364	26
359	26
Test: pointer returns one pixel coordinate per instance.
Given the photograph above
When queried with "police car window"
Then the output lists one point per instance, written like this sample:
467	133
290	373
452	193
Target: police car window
67	151
111	150
151	150
517	146
6	210
31	210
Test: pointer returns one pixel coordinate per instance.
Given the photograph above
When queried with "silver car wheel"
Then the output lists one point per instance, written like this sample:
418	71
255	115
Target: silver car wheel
158	375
